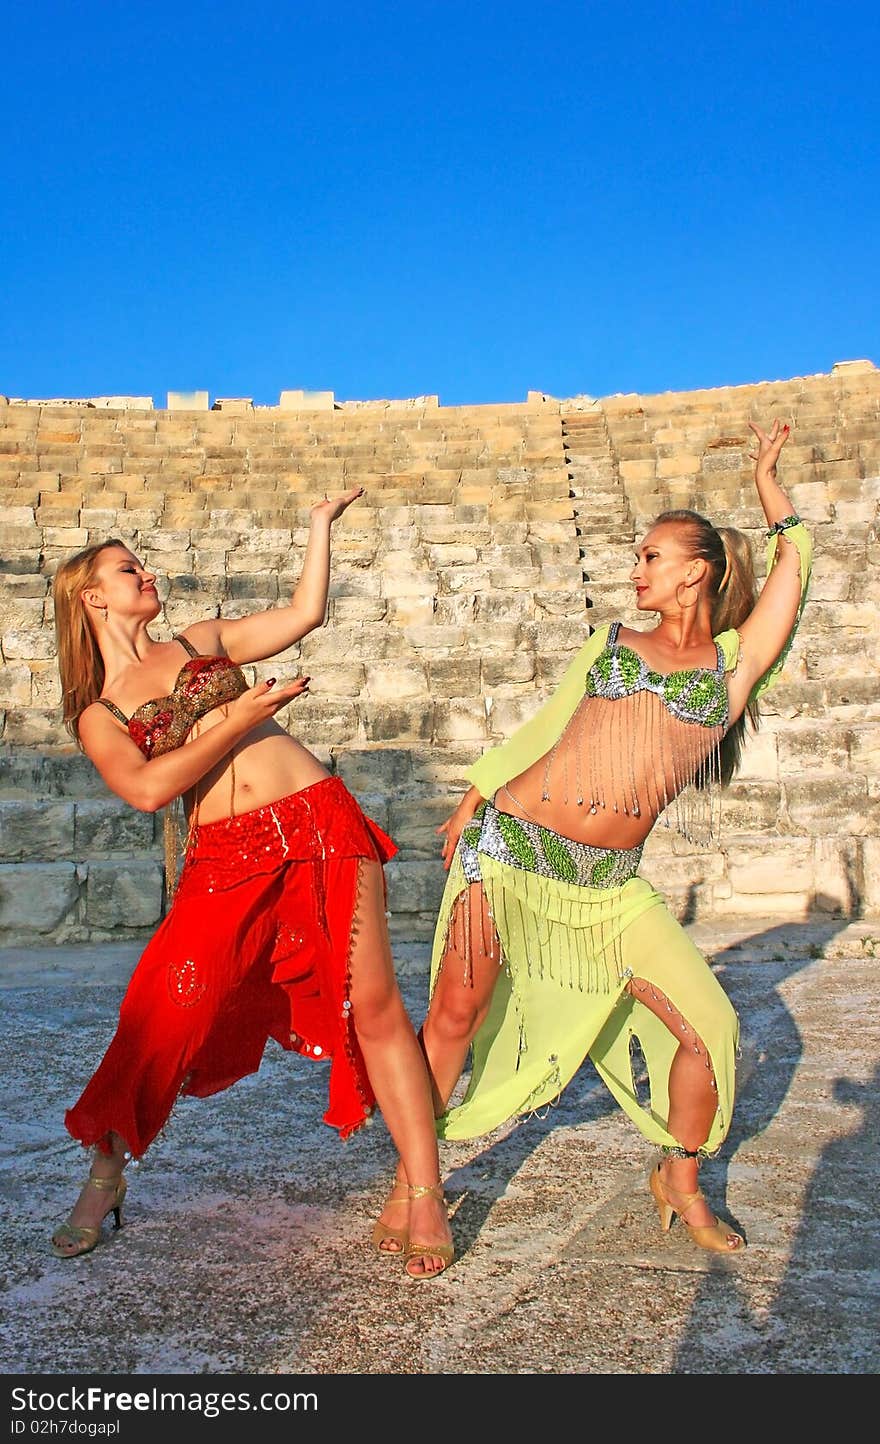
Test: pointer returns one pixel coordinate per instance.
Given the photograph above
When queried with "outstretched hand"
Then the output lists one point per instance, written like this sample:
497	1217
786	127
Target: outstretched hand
769	444
333	506
260	702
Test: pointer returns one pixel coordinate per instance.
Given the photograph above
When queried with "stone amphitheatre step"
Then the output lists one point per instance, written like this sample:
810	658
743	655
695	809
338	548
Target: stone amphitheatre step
588	453
602	517
488	541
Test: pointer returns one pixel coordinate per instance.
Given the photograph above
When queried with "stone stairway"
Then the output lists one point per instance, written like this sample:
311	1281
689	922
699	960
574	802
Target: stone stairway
603	517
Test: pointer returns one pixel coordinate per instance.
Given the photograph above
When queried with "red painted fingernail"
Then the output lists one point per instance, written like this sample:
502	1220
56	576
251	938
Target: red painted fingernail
786	428
270	681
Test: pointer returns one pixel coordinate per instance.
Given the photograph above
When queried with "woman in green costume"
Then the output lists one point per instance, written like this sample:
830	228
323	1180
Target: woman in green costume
549	947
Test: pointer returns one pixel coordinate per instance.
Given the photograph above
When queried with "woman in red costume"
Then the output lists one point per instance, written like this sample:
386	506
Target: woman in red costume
277	928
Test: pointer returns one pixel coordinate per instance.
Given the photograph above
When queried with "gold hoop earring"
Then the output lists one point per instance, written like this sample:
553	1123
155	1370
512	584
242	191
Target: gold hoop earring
680	602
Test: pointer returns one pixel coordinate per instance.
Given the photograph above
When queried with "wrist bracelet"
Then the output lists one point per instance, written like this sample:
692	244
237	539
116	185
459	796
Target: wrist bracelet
783	525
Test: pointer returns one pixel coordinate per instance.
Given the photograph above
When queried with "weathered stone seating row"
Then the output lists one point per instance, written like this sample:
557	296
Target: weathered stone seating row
488	541
464	532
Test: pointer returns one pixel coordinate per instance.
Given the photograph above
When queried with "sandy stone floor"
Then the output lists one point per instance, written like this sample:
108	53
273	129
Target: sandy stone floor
246	1245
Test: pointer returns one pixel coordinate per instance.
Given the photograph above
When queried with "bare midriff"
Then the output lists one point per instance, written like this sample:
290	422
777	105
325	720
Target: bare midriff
266	765
616	767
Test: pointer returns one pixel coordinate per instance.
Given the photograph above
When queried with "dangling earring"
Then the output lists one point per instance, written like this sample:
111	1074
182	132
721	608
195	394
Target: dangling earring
104	611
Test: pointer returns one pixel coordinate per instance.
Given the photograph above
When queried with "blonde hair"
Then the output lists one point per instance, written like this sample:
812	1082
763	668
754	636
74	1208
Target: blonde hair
79	659
734	592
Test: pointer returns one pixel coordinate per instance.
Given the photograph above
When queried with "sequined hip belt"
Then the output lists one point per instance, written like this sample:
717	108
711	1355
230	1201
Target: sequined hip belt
320	821
532	848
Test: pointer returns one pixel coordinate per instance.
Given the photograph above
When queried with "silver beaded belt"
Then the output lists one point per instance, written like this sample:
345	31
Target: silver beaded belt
533	848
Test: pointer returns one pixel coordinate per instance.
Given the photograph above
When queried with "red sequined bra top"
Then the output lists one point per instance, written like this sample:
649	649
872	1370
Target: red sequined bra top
164	723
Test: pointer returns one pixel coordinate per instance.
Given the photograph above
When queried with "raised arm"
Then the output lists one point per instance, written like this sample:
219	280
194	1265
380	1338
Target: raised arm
767	632
149	784
265	634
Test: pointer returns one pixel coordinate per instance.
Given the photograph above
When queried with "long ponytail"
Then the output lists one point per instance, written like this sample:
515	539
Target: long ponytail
734	591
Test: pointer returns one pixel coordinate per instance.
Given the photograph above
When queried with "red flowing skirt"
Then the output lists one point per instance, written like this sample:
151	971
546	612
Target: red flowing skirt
256	945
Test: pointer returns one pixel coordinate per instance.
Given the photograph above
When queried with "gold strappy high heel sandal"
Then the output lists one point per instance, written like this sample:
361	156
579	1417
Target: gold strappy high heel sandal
444	1251
718	1236
383	1233
81	1236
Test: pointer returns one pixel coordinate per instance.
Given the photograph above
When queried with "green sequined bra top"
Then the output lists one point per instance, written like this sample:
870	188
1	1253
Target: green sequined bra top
697	694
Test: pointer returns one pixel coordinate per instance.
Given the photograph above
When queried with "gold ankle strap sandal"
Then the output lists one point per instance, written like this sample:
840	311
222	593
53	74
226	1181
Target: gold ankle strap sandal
443	1251
72	1240
383	1234
719	1236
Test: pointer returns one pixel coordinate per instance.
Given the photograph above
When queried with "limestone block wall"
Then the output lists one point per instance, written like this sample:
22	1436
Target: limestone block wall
489	540
451	578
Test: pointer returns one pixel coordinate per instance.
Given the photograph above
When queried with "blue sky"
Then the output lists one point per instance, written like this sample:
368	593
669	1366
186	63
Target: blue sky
461	199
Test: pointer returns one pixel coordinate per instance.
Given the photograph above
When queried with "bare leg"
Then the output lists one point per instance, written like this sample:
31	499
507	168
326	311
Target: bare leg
91	1206
458	1006
692	1104
460	1001
396	1066
462	994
